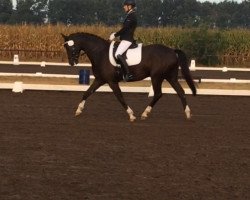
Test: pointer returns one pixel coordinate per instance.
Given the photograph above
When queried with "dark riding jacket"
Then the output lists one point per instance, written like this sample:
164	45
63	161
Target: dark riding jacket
128	28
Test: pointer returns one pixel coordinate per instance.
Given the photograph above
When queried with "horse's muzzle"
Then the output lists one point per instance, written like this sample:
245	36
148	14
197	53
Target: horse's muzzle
73	62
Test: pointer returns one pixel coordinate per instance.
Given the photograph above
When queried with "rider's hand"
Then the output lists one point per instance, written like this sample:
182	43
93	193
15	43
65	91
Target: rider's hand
112	36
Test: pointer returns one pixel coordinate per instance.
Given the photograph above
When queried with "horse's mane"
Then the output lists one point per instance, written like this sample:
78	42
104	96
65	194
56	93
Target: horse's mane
88	36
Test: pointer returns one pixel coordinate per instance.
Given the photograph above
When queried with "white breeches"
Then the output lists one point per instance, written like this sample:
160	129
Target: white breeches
123	46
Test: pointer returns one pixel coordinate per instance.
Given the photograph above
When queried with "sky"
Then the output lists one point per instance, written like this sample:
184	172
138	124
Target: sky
14	3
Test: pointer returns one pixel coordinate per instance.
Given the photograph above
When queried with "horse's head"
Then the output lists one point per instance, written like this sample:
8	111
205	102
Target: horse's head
73	50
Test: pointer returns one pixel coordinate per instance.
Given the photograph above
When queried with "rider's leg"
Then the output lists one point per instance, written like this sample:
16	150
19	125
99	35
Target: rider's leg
123	46
124	65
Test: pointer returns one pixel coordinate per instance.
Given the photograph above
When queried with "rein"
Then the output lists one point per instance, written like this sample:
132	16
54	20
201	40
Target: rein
72	44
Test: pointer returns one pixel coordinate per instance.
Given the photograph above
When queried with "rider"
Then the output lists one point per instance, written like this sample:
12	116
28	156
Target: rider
126	35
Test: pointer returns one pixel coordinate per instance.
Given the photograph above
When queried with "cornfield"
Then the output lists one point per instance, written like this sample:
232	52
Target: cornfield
208	47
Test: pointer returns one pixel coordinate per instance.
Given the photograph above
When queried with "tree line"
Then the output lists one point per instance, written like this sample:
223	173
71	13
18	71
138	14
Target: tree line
153	13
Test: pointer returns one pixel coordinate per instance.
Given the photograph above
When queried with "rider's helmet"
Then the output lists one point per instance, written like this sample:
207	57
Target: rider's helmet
129	2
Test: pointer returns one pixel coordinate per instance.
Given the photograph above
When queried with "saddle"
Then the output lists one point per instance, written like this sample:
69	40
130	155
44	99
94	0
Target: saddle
132	55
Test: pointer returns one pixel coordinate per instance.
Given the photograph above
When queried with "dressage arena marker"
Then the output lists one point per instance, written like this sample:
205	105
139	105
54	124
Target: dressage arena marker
224	69
18	87
16	60
192	66
43	64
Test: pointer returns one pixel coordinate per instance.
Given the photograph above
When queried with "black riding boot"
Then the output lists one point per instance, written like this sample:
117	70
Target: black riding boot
124	65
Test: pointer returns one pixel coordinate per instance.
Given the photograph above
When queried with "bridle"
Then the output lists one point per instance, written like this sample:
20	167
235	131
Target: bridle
75	53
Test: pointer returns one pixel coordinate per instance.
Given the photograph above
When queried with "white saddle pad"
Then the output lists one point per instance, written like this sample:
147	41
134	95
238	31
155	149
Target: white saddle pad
133	55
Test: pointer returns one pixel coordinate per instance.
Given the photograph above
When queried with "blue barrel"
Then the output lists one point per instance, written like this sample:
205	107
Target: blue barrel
84	76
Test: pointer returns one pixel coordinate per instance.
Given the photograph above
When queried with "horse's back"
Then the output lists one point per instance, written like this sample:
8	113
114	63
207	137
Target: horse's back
159	55
158	48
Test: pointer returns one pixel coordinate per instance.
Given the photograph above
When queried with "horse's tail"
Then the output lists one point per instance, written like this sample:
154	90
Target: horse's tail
183	62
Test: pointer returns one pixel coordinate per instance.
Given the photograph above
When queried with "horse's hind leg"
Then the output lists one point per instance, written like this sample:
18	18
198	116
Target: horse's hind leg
181	93
156	83
118	93
93	87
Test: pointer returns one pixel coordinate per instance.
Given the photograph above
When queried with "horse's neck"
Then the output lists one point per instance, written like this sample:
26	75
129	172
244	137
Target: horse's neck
93	49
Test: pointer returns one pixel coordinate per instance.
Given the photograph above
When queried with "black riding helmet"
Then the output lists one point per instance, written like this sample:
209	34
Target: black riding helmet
129	2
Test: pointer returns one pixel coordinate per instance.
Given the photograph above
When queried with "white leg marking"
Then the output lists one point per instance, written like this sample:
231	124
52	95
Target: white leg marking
188	112
80	108
146	112
131	114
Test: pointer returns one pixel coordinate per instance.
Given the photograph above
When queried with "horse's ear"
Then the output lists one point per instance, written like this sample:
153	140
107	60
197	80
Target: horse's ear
64	37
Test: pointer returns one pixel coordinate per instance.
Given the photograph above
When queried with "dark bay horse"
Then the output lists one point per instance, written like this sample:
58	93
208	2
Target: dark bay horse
158	62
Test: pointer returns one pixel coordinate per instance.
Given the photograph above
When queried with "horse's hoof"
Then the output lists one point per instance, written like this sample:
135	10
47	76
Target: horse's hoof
188	116
145	114
77	113
188	112
132	119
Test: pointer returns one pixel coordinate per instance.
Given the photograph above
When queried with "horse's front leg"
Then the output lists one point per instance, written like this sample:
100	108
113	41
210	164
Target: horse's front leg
118	93
93	87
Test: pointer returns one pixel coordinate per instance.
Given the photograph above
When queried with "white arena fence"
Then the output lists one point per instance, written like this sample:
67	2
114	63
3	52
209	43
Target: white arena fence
19	86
